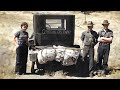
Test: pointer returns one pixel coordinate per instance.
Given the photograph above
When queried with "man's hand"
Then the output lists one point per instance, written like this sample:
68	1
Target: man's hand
82	46
104	39
15	42
17	46
101	39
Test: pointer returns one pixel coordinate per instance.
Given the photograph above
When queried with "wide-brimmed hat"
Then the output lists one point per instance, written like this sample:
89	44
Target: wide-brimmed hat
90	23
105	22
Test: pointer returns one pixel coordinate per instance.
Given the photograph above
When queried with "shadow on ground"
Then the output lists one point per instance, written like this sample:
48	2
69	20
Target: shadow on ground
78	70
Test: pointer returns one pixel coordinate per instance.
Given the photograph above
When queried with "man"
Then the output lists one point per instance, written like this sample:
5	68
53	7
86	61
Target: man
89	39
105	39
21	41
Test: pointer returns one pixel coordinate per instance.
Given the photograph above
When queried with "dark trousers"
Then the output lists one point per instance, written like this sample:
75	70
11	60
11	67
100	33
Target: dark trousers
103	55
88	56
21	58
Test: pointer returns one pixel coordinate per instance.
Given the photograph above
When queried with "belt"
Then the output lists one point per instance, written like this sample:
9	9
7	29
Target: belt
22	44
104	44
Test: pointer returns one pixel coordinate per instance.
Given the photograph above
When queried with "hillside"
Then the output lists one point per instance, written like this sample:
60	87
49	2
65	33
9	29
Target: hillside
10	23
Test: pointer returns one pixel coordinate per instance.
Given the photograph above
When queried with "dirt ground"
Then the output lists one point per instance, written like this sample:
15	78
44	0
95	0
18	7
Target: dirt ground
10	23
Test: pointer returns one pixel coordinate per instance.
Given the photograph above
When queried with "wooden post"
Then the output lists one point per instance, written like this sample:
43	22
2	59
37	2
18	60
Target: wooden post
85	22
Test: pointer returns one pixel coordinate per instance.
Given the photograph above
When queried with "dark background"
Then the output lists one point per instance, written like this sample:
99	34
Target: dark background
59	5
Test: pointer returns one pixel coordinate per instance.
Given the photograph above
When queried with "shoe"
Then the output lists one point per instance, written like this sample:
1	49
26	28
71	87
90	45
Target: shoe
23	73
103	73
95	72
91	74
99	73
18	73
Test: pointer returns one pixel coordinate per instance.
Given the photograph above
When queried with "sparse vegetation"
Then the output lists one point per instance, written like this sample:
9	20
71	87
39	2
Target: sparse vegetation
10	22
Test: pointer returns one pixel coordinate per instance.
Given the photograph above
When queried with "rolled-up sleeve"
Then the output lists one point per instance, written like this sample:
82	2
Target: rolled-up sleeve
82	36
111	34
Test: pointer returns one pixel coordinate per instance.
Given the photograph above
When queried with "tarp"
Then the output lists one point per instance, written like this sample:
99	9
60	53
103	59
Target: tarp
67	56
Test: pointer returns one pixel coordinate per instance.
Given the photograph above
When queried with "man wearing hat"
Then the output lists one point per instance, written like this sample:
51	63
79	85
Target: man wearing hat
89	39
105	39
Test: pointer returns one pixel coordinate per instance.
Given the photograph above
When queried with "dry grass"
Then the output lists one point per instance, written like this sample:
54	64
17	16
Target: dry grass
6	72
10	22
6	59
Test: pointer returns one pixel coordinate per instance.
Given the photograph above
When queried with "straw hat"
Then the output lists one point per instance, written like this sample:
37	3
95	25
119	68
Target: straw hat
105	22
90	23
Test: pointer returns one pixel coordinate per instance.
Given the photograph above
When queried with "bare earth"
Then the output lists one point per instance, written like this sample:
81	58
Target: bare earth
58	75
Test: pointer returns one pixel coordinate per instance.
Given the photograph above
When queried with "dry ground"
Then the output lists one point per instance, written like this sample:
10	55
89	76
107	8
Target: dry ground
11	20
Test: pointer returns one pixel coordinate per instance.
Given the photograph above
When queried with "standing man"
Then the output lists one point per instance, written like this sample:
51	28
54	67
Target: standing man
21	41
105	39
89	39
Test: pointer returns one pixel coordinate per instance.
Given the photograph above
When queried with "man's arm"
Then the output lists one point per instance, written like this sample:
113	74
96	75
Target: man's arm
15	40
107	39
31	36
16	35
104	39
82	38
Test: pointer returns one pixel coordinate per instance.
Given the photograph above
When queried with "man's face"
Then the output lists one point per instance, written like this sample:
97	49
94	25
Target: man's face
105	26
24	27
90	27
